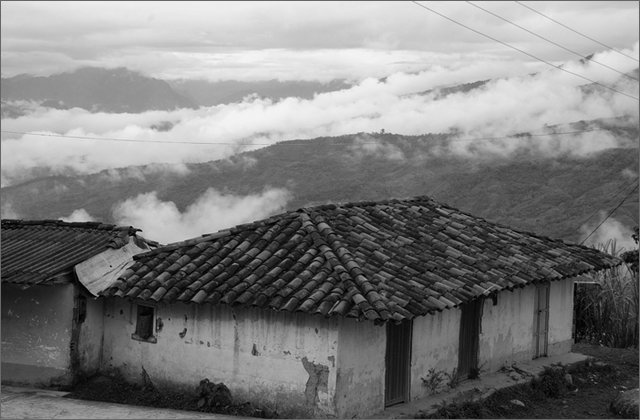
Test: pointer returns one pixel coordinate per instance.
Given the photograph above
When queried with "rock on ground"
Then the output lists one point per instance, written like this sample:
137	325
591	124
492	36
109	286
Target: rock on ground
626	403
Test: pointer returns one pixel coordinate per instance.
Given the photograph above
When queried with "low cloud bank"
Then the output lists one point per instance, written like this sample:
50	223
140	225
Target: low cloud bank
162	221
611	230
397	104
78	215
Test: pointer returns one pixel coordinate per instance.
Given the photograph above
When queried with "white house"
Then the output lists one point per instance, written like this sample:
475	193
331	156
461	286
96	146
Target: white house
339	310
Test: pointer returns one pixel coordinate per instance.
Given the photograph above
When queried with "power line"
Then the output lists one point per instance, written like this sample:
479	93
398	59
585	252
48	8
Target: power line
619	193
303	143
524	52
577	32
610	213
550	41
125	140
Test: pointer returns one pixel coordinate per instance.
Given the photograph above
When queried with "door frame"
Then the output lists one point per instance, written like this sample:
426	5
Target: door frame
541	313
405	329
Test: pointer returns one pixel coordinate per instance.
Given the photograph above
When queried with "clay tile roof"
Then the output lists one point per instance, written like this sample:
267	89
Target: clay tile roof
380	261
39	251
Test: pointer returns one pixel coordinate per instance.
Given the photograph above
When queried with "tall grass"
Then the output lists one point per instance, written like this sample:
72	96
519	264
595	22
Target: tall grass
608	315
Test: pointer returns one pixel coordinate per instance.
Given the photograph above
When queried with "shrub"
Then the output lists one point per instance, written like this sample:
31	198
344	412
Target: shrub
454	378
609	315
212	395
433	380
551	383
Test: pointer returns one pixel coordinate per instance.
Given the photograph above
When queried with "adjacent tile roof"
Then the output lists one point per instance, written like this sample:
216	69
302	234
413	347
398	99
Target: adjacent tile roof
385	260
43	251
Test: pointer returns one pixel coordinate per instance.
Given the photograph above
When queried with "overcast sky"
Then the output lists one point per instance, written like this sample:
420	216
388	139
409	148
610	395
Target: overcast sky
414	50
296	40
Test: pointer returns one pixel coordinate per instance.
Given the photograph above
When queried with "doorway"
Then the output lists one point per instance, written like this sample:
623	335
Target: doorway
469	337
541	320
398	363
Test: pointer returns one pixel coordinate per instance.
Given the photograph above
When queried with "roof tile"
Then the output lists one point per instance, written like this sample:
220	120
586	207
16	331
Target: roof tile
379	261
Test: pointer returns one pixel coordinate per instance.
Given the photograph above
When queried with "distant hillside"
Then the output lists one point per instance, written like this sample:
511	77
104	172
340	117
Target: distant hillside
94	89
550	196
206	93
122	90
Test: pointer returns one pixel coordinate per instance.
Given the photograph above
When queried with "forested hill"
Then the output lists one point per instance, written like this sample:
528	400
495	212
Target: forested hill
551	195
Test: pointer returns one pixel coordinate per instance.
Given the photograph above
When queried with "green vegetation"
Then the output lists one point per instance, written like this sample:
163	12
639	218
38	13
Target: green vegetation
608	314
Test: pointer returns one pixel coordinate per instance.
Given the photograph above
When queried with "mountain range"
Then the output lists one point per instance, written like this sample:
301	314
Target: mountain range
95	89
121	90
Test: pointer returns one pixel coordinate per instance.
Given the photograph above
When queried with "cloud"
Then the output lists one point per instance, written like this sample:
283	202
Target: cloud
78	215
289	40
397	104
141	173
368	145
629	174
7	211
162	220
611	230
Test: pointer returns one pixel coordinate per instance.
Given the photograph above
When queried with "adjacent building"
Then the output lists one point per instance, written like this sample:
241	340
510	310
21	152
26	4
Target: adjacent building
51	271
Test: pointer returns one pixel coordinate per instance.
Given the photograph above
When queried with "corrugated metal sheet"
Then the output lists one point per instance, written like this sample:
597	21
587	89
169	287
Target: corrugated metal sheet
38	251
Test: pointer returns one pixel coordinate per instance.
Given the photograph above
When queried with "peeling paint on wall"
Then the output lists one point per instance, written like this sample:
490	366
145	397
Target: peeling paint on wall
159	324
255	354
317	382
183	333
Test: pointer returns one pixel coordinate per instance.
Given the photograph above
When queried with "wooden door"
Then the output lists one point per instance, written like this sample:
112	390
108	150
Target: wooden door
398	363
541	320
469	337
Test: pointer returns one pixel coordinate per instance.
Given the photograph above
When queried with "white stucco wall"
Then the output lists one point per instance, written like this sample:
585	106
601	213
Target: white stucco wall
90	338
36	334
435	345
506	331
283	361
361	368
560	316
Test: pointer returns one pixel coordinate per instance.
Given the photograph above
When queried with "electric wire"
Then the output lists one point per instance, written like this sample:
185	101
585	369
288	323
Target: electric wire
289	143
575	31
524	52
615	197
610	214
550	41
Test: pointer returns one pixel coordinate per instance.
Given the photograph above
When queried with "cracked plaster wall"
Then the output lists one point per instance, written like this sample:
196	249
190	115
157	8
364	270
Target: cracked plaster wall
280	360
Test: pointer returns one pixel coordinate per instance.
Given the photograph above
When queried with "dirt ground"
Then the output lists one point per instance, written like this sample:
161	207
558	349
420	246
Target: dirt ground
594	387
114	389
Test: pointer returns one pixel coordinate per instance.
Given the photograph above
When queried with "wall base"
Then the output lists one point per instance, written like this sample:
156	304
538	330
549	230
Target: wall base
19	374
560	347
